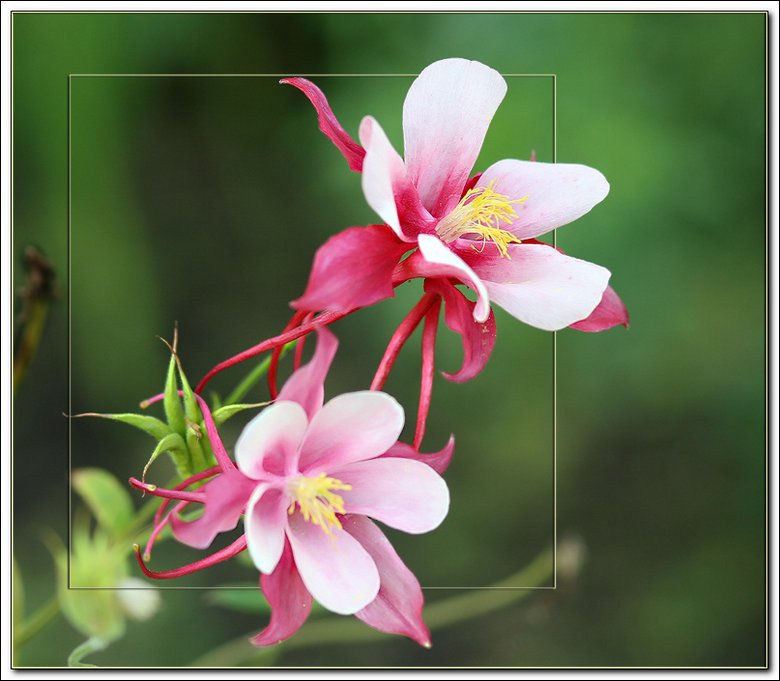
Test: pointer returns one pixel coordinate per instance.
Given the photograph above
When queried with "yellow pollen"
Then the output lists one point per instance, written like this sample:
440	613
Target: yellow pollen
481	212
315	497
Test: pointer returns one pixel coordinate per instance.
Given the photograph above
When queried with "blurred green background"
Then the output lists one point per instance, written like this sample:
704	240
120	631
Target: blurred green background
203	200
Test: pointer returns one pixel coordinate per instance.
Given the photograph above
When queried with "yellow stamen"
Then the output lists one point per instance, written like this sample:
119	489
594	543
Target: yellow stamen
315	497
481	212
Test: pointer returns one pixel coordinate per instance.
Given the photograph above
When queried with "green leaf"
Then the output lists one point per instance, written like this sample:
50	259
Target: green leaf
149	424
172	443
108	500
95	610
241	597
224	413
171	402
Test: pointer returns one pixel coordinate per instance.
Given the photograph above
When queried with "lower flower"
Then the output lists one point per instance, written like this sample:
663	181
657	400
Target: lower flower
309	480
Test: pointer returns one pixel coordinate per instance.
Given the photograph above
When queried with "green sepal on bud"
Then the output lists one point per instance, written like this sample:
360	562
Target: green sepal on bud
148	424
174	412
224	413
177	448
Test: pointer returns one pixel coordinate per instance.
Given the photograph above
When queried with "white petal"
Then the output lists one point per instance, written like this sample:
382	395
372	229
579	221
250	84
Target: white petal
557	193
543	287
445	263
265	522
336	569
351	427
383	168
271	439
446	114
405	494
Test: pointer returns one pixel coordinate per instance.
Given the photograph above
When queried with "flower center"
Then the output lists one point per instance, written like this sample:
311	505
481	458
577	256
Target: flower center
480	212
317	501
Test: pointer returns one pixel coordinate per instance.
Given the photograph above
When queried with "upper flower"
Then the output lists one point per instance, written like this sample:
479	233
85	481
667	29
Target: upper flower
476	230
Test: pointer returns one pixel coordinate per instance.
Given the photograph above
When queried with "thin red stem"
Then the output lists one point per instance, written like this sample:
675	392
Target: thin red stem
215	558
300	345
198	497
208	473
399	338
220	453
322	319
276	355
159	526
426	374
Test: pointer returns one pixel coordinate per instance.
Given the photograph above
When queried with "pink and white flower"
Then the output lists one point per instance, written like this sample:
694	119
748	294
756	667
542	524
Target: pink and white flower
473	231
310	480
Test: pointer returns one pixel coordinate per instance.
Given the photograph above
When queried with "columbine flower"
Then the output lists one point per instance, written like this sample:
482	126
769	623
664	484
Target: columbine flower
476	230
309	477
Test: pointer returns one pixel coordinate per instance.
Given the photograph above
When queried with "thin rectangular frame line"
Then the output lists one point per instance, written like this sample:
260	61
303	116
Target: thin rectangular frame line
280	75
554	585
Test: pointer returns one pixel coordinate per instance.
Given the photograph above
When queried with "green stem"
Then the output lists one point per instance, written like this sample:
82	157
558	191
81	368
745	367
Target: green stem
91	645
438	615
240	391
31	627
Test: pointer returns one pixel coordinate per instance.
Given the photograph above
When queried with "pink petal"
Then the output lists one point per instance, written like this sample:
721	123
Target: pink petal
353	269
439	461
264	525
329	124
269	443
440	261
402	493
446	114
608	313
306	385
386	186
290	601
226	496
478	337
335	568
351	427
542	287
558	193
397	608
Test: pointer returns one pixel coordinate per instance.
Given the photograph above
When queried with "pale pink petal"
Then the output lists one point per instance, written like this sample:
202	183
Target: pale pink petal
558	193
335	568
270	441
226	497
386	186
610	312
478	337
329	124
439	461
306	385
289	600
353	269
439	261
397	608
542	287
446	114
264	524
402	493
351	427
